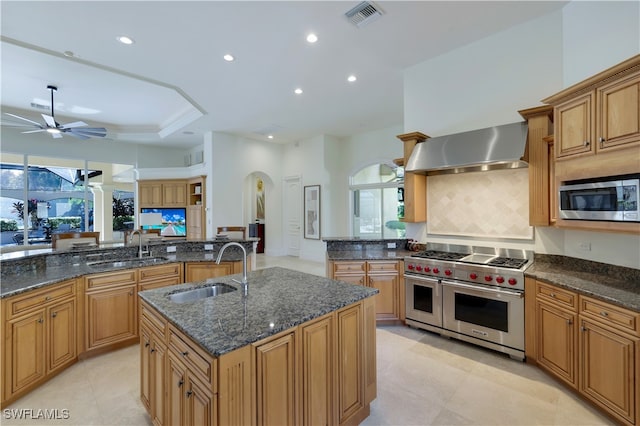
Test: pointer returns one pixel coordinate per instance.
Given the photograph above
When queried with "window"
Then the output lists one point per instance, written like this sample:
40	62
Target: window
377	201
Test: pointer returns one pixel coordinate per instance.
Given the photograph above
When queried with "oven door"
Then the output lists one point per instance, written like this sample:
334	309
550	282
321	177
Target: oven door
487	313
423	300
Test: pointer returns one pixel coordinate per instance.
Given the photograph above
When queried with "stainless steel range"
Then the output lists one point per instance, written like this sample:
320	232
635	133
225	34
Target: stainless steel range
475	294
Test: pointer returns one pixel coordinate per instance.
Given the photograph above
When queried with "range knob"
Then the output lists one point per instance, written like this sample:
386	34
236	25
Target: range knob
473	275
512	281
436	270
447	272
418	268
499	279
488	278
427	269
410	266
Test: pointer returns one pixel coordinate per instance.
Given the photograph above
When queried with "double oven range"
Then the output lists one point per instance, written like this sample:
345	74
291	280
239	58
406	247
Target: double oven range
475	294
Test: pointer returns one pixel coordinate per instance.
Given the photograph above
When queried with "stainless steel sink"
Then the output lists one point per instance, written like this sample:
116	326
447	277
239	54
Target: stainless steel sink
145	261
201	293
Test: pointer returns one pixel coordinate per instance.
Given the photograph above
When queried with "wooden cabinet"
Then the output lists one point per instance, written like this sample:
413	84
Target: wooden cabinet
575	122
110	308
174	194
162	193
159	276
153	355
609	360
39	337
196	229
384	275
591	345
199	271
150	194
618	114
415	185
557	322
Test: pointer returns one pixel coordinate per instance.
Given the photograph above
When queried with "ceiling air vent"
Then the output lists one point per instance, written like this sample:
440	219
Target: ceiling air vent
363	14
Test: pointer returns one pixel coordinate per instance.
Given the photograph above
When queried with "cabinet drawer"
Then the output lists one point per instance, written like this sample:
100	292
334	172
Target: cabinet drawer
558	296
383	266
160	271
345	267
194	358
607	314
110	279
35	299
153	320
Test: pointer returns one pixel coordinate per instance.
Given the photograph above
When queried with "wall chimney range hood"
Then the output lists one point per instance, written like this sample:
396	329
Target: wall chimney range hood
493	148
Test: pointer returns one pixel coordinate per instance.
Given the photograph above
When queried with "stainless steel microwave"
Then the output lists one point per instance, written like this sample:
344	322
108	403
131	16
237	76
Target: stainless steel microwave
611	199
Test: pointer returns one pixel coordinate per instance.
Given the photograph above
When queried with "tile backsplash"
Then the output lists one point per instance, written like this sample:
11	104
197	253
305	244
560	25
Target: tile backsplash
491	204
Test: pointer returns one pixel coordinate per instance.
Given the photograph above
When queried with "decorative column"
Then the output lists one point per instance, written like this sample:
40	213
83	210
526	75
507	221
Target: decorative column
103	210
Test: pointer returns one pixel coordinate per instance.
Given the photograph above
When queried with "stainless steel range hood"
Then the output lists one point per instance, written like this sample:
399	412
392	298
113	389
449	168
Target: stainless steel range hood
498	147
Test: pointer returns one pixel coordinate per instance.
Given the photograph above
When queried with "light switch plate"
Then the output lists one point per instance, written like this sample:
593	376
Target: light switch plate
208	246
391	245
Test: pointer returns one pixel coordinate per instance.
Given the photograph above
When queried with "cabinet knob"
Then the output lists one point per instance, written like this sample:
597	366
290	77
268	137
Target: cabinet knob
586	143
47	298
153	350
40	321
180	383
569	322
552	295
54	314
188	393
185	353
146	344
131	293
604	314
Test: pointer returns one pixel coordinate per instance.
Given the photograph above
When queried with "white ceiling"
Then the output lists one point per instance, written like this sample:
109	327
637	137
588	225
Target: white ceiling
173	78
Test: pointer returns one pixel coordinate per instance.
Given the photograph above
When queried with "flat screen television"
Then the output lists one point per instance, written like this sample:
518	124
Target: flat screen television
174	221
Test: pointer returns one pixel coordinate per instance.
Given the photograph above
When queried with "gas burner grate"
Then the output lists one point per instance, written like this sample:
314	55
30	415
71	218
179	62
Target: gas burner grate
507	262
440	255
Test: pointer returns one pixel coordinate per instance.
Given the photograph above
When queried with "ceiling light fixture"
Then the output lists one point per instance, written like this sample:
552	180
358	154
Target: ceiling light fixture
298	91
351	78
125	40
53	130
228	58
312	38
270	136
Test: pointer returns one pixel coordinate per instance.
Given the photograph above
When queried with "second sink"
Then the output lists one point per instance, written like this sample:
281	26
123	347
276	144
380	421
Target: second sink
201	293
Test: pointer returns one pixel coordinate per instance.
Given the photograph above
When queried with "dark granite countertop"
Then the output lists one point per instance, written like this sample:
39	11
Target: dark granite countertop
617	285
368	254
25	280
278	299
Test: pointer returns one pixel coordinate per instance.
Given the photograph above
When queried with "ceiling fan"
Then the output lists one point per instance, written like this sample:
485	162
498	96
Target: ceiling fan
76	129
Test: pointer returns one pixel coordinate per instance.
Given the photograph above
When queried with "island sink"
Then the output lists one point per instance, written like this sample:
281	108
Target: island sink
201	293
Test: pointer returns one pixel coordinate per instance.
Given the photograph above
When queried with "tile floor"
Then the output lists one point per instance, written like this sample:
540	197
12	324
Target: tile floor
423	379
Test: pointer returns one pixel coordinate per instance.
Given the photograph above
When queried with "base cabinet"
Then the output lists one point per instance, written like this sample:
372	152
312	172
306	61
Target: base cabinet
200	271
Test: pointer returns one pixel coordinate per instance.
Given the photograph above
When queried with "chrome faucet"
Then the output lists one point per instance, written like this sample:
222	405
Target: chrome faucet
244	283
141	253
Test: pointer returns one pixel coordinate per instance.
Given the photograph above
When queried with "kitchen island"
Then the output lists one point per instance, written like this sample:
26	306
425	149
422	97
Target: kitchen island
298	349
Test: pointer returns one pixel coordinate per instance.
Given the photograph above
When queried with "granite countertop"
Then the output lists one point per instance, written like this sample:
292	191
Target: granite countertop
617	285
277	300
26	280
368	254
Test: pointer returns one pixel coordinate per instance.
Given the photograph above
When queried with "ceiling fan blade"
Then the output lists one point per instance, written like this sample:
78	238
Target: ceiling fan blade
89	131
35	131
77	135
49	120
74	124
25	119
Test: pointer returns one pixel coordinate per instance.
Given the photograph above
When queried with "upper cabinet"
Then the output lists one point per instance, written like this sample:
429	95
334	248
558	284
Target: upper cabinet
598	116
158	193
415	185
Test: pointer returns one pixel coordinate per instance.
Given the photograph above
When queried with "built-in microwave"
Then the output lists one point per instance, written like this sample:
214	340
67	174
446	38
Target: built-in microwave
613	199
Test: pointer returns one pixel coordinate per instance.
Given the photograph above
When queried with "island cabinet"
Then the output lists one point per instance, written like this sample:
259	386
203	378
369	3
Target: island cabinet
385	275
39	337
320	372
110	309
153	357
591	345
159	276
199	271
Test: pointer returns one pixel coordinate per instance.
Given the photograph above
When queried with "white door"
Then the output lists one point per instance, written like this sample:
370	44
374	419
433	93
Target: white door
292	212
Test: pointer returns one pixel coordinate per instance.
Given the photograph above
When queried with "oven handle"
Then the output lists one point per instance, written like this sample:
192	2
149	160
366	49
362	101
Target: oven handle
518	294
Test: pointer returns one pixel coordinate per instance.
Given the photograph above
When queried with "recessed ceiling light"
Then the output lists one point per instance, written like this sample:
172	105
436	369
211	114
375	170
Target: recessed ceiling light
298	91
69	54
229	58
351	78
270	136
312	38
125	40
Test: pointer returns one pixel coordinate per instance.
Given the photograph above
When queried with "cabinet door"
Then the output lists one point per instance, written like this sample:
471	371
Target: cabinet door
174	194
145	369
350	362
557	341
158	355
194	223
387	301
150	194
608	369
575	126
62	334
176	379
199	271
199	405
27	350
619	113
276	381
111	316
318	366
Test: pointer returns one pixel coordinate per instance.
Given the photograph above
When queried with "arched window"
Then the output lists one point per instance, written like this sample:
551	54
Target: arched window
377	201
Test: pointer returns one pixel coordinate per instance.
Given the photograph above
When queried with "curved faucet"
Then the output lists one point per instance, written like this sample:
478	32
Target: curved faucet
140	252
245	284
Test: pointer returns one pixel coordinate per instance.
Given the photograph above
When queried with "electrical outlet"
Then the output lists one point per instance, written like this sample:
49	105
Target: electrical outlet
171	249
391	245
585	245
208	246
